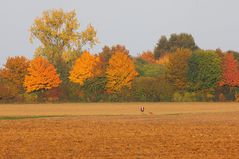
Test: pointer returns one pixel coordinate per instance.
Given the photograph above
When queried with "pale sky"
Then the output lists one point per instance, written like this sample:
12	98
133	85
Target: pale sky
137	24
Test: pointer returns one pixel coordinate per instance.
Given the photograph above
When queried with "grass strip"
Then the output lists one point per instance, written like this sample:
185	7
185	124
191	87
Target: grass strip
26	117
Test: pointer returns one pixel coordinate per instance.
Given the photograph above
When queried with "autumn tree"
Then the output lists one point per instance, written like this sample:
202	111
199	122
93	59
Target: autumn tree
220	53
120	73
86	66
107	52
182	40
177	68
14	72
148	56
41	75
61	42
163	60
230	72
235	54
7	90
205	69
120	48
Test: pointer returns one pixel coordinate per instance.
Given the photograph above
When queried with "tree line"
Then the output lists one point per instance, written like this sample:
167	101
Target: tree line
62	69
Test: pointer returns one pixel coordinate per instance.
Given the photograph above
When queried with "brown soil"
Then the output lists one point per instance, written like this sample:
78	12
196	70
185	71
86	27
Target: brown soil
201	135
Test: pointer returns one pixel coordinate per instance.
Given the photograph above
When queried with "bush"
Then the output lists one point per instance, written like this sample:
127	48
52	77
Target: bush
151	89
184	97
149	70
53	95
30	98
8	92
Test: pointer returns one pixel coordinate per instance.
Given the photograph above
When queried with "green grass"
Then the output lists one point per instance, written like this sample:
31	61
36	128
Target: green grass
26	117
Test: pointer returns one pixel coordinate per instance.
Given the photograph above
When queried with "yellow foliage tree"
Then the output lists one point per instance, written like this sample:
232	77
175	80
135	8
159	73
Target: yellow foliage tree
86	66
120	73
61	40
41	76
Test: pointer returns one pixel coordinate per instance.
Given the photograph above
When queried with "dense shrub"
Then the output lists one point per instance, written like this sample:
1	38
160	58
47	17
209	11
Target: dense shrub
184	97
151	89
8	91
30	98
149	69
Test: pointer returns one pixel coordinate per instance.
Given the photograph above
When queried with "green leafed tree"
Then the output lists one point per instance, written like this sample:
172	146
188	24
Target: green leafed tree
182	40
162	47
204	69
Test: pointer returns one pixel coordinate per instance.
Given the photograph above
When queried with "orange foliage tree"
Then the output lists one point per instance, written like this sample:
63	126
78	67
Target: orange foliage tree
41	76
164	59
86	66
148	56
230	75
120	73
107	53
14	71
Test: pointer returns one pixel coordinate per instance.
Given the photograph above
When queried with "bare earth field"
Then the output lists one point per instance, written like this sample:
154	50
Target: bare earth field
165	130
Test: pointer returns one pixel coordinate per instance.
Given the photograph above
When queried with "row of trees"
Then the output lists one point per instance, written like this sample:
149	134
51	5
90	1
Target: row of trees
61	71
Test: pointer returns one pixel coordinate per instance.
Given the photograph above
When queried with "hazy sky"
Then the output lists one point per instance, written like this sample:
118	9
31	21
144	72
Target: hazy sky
138	24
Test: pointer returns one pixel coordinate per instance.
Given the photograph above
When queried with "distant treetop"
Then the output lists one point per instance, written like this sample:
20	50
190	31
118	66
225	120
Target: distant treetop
182	40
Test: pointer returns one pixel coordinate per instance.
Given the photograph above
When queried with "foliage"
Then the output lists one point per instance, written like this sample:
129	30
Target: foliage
148	56
107	52
53	95
163	60
177	68
30	98
204	69
14	72
94	89
162	47
8	91
225	93
86	66
119	48
61	71
230	72
235	54
149	70
175	41
120	73
71	92
152	89
58	32
184	97
41	76
143	89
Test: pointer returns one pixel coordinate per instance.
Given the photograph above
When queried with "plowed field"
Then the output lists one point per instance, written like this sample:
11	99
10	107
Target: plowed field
204	135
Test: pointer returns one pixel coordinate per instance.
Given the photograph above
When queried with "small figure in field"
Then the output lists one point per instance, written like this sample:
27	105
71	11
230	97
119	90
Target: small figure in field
142	109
